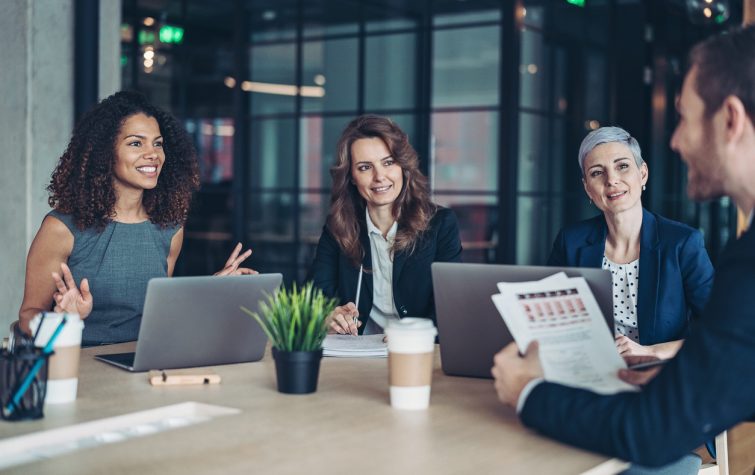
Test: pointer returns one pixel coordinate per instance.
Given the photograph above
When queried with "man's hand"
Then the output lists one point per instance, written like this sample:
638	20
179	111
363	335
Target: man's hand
639	377
512	372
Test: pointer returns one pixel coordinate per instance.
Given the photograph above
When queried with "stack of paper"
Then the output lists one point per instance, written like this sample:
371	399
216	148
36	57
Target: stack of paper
349	346
576	346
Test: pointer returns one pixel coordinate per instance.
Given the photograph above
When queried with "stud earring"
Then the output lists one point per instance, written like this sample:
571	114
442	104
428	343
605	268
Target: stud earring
644	188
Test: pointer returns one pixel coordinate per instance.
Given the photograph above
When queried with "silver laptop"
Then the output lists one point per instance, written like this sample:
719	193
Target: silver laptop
470	329
196	321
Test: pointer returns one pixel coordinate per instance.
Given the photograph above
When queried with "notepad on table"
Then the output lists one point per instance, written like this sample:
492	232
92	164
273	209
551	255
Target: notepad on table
349	346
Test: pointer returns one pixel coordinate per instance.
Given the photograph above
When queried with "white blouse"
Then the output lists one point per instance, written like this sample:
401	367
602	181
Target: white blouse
626	278
383	306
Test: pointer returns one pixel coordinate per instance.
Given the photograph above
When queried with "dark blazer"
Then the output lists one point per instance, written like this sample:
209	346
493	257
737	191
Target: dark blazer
412	284
707	388
675	272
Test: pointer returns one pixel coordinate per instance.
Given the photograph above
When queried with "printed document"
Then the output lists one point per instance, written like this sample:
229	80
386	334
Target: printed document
576	346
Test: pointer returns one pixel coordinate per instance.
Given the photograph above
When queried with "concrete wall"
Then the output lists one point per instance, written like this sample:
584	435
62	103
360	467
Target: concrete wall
36	119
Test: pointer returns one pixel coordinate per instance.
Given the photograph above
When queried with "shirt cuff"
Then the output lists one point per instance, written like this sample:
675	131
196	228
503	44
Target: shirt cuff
525	393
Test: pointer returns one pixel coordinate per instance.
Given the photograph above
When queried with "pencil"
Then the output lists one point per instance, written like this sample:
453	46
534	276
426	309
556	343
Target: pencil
359	290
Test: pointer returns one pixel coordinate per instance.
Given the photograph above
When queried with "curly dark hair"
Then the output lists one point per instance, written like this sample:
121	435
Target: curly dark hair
413	208
82	183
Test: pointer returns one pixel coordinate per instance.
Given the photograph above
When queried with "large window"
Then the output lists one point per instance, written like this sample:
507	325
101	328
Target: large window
495	97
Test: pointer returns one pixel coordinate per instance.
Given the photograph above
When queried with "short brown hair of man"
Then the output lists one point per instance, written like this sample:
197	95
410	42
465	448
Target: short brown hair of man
726	67
412	209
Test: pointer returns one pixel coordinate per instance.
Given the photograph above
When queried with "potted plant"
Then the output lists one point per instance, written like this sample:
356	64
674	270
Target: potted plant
295	321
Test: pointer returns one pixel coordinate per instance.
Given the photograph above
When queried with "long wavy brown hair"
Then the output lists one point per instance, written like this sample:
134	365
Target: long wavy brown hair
412	209
82	183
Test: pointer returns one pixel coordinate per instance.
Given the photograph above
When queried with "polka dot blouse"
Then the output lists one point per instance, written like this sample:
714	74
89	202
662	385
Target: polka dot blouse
625	286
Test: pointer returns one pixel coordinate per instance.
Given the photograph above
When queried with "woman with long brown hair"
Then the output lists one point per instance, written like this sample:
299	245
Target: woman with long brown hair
120	196
383	231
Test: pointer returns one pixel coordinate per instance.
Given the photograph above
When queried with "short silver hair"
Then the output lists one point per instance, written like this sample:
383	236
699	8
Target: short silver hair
609	135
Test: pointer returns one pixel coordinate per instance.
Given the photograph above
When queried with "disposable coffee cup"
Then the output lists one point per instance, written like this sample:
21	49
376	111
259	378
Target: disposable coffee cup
411	347
63	373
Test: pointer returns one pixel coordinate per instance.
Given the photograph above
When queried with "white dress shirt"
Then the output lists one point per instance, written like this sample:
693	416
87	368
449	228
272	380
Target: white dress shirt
383	307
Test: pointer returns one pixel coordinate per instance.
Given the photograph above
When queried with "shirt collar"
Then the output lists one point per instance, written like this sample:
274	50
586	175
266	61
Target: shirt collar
372	229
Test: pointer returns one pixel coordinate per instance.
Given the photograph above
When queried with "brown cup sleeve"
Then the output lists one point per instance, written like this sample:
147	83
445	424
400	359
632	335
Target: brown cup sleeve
64	363
410	369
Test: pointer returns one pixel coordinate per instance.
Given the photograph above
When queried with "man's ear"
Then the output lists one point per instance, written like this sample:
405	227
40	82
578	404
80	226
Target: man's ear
735	118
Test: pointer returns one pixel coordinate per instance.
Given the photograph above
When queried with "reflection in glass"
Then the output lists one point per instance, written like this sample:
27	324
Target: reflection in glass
596	74
273	153
558	80
317	150
276	65
464	151
213	139
330	17
466	67
313	211
533	236
533	14
329	69
533	166
271	216
478	223
533	71
390	24
454	12
390	67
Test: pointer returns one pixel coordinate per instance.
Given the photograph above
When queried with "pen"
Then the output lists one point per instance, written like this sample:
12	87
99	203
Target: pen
356	300
35	369
648	364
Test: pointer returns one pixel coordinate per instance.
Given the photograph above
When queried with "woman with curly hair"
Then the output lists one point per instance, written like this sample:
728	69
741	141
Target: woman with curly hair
120	196
383	226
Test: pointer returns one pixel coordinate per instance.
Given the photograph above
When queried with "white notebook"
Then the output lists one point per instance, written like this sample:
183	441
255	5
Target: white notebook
349	346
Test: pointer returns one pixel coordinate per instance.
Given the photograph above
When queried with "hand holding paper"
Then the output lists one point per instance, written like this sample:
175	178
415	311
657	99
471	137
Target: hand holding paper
576	345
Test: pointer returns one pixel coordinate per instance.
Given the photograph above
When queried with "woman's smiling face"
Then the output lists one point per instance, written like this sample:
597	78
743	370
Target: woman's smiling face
612	179
376	174
139	153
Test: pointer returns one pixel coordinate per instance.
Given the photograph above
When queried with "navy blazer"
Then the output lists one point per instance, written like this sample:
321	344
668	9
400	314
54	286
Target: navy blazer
676	274
412	284
707	388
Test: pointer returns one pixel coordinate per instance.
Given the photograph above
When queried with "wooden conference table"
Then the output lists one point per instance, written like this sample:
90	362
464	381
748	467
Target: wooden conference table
347	426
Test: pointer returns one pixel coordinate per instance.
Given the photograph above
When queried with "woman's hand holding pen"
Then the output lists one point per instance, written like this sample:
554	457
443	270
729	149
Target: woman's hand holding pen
343	318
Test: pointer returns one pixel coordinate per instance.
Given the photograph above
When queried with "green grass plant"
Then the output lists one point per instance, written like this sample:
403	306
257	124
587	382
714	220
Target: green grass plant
296	319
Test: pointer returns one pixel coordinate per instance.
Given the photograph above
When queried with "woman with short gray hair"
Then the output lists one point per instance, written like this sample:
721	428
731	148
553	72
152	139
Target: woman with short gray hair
661	272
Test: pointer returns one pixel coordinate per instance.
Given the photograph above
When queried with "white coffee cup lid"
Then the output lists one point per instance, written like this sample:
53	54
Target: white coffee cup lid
411	324
70	334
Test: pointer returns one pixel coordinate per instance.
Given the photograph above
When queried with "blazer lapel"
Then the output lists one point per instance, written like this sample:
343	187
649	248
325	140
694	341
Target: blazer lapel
366	290
399	259
591	254
647	298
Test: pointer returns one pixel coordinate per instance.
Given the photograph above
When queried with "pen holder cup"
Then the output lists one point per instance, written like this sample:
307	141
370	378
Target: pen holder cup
15	368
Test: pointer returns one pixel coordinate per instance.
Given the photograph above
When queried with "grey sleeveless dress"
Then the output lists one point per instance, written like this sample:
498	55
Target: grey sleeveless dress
118	261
